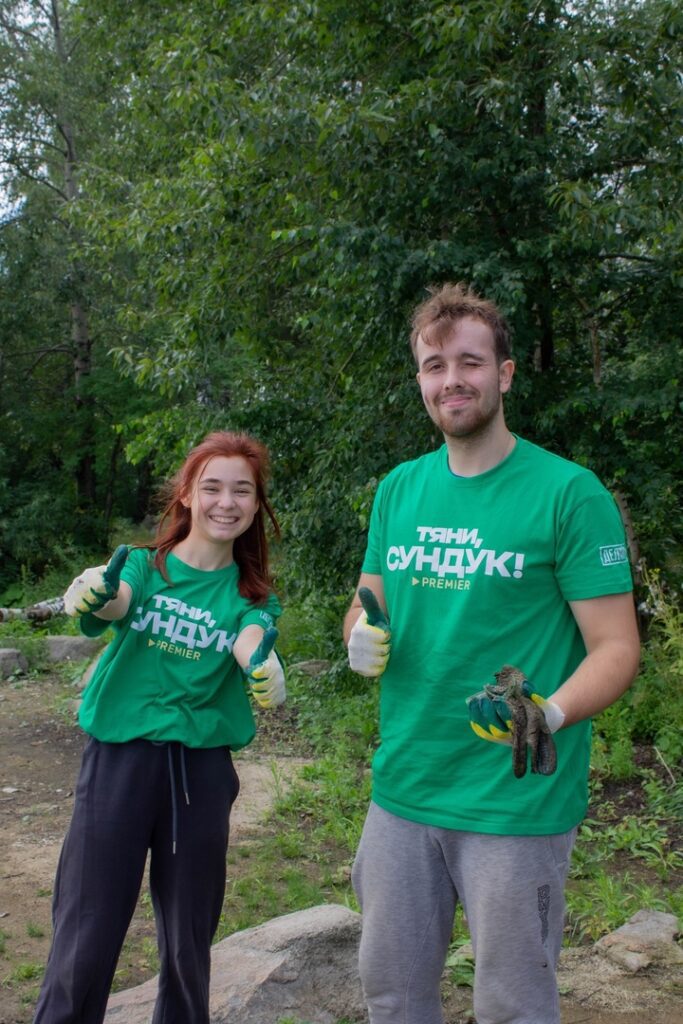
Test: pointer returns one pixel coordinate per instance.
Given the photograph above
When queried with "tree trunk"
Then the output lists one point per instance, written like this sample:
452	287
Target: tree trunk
542	298
80	327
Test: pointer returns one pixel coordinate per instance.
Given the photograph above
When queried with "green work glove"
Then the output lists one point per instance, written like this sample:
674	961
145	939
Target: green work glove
512	713
96	586
265	673
370	639
491	715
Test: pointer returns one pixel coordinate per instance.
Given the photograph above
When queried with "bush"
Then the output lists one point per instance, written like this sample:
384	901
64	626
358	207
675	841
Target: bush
651	711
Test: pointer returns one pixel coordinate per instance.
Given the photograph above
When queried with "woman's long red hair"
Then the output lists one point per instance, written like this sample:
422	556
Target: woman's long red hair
250	550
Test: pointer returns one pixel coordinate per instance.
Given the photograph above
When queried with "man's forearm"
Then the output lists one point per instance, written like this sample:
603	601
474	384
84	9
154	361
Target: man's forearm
601	678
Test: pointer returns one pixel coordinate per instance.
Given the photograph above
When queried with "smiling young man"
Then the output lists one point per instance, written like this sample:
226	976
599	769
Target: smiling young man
485	553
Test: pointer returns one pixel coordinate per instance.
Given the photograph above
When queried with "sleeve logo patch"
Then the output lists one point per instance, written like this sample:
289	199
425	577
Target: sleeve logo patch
613	554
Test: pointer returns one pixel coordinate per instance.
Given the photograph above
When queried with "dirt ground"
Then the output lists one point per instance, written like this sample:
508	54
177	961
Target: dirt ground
39	756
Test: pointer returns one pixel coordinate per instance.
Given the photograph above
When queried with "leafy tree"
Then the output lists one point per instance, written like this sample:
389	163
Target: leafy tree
60	456
278	183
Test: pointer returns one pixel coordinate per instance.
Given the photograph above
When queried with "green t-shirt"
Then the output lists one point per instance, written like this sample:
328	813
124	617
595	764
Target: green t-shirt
169	672
477	573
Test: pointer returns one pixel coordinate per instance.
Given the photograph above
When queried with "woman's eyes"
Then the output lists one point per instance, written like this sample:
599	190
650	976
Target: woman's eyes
242	491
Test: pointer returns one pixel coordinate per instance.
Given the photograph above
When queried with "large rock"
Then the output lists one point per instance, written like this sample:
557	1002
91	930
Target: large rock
11	661
315	667
646	937
302	965
71	648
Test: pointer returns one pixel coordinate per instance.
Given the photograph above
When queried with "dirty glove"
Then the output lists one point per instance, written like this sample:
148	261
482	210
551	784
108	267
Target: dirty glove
370	639
511	712
265	674
96	586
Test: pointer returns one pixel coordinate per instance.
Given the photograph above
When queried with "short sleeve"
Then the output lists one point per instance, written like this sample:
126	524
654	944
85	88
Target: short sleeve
135	570
591	555
372	562
264	615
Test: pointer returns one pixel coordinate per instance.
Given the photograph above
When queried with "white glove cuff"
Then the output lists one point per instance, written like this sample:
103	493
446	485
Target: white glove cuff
554	715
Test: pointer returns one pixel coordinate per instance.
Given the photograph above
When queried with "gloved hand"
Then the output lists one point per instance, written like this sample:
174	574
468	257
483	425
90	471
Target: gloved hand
370	639
96	586
491	715
265	674
512	713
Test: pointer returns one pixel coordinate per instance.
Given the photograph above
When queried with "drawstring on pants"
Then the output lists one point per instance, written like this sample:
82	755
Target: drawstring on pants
183	777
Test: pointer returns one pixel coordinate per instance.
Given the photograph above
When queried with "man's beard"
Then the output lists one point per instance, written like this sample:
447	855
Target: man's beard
471	423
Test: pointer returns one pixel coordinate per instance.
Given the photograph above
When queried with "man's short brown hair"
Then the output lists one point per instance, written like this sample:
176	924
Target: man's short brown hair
434	318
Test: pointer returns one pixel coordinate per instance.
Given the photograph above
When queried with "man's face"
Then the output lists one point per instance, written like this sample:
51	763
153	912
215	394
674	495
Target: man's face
462	382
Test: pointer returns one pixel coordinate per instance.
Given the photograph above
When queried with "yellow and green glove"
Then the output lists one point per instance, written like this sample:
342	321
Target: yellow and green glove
511	712
370	639
97	586
491	715
265	673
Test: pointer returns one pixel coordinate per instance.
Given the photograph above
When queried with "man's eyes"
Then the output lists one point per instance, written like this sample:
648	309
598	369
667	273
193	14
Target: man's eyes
440	367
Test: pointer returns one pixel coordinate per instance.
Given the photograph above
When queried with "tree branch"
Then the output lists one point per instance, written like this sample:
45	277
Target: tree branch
13	29
627	256
38	179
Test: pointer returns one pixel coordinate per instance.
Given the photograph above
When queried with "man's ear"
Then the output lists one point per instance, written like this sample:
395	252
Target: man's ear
506	372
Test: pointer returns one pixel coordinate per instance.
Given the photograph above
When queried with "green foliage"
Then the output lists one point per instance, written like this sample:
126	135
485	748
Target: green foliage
642	837
250	257
651	711
460	959
612	750
607	901
25	972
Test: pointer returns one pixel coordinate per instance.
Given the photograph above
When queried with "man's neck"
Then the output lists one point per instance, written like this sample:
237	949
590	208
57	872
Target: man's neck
471	456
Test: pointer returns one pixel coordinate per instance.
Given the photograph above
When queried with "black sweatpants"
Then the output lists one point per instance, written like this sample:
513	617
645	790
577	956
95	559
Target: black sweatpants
130	797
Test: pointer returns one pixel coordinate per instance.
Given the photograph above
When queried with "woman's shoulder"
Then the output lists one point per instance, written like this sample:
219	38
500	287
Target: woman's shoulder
139	562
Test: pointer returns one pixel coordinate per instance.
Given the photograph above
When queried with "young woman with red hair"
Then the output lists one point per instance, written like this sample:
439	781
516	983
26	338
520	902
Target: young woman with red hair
193	615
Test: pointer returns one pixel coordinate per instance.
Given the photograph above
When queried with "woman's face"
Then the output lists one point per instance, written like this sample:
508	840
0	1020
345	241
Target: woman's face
223	501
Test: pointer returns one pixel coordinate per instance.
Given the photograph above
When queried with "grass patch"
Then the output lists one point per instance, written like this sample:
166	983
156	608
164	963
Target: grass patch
25	972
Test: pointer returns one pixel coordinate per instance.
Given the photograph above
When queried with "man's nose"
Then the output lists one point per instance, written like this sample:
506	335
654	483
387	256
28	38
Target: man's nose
453	377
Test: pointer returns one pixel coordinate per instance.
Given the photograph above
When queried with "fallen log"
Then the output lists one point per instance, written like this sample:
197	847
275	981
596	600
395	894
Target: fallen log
39	612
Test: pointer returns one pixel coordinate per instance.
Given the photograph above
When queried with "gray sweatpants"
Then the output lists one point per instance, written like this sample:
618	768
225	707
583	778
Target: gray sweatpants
409	877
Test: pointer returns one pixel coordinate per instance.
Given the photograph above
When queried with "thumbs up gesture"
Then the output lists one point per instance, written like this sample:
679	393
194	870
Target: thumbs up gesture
97	586
370	639
265	674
